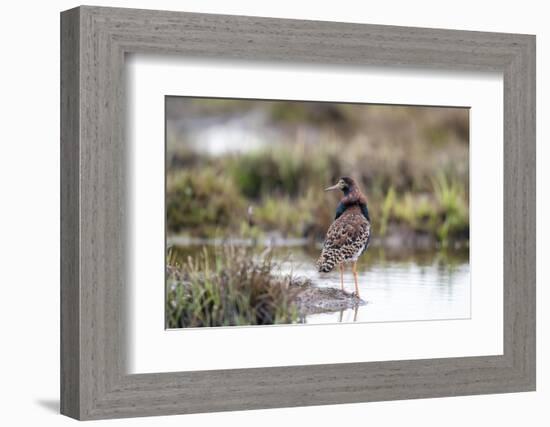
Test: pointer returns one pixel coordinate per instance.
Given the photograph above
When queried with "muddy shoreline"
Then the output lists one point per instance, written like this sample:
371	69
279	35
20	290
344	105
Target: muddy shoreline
311	299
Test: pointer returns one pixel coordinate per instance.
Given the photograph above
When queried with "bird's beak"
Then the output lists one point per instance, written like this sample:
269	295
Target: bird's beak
334	187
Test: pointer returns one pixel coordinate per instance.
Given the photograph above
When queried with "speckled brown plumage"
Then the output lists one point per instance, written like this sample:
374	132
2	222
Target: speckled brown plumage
348	236
346	239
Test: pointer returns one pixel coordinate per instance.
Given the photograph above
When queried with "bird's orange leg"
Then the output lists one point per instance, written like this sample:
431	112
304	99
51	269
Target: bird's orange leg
341	267
354	269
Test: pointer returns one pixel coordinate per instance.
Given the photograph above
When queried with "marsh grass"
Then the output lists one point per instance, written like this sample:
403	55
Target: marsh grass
201	199
207	203
411	163
229	287
442	212
454	216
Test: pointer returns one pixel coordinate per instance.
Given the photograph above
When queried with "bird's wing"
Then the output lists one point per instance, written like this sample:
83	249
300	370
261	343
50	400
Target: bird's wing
343	234
345	237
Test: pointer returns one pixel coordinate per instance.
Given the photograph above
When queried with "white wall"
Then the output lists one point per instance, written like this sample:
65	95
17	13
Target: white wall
29	225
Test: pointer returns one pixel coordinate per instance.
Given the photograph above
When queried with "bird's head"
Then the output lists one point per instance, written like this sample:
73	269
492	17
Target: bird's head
344	184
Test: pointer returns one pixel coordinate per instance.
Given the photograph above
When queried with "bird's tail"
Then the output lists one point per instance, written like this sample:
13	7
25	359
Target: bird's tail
325	263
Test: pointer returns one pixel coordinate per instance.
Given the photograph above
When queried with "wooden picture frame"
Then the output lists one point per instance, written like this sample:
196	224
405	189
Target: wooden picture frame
94	41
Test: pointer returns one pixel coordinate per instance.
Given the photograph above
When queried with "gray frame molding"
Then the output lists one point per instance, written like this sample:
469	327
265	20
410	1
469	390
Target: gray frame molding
94	41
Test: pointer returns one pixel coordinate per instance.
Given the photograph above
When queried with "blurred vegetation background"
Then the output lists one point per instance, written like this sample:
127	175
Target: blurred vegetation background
257	169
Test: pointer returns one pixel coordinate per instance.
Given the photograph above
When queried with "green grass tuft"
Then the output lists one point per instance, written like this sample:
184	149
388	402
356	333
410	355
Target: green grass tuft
453	203
231	287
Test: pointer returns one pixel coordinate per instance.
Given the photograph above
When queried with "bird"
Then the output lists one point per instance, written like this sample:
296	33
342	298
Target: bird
349	234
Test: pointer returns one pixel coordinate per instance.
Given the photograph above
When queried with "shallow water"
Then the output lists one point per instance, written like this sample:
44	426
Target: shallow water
395	286
398	287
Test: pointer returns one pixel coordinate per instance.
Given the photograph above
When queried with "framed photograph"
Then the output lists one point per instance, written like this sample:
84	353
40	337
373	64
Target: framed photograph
245	194
278	213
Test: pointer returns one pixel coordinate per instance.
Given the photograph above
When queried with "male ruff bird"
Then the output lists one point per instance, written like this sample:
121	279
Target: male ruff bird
349	234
